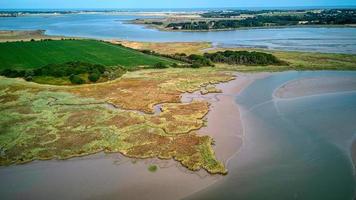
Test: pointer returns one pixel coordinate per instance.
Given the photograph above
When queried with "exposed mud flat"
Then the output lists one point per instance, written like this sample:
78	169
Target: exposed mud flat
353	155
223	120
101	176
315	86
293	146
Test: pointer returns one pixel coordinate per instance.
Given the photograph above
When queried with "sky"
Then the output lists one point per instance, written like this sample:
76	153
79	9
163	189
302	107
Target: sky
58	4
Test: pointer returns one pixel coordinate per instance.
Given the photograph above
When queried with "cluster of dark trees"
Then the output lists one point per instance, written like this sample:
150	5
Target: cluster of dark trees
325	17
228	57
193	61
219	24
236	13
243	58
157	23
345	16
69	69
201	25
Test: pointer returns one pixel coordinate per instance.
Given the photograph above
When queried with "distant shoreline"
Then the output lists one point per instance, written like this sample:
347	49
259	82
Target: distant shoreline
160	28
165	14
28	35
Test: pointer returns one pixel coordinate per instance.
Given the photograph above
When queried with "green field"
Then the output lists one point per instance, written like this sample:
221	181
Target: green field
25	55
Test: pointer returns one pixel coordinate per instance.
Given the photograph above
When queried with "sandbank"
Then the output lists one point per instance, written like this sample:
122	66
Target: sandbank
315	86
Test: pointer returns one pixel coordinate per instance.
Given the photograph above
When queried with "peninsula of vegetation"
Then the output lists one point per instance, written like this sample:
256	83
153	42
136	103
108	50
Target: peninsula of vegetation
235	19
115	116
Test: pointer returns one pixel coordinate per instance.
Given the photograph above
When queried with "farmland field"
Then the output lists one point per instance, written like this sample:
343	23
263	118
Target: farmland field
26	55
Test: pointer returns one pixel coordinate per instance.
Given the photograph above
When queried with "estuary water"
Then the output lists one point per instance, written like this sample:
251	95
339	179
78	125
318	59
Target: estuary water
294	148
114	26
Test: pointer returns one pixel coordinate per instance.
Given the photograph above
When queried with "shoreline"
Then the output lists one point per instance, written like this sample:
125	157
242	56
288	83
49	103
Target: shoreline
223	121
164	29
28	35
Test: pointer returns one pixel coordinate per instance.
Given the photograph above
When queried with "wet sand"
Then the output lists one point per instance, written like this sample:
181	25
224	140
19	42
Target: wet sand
224	123
114	176
353	155
101	176
291	147
315	86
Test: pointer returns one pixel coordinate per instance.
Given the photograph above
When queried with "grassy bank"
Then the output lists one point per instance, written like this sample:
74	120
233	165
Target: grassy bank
295	60
167	47
300	61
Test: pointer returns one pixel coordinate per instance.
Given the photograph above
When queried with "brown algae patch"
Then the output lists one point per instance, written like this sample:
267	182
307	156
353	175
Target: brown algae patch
48	122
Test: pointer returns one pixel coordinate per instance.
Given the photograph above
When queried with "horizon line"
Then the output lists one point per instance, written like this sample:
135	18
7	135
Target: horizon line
224	7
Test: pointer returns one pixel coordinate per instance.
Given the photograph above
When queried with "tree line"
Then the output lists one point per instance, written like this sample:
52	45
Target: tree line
80	72
243	58
325	17
228	57
68	69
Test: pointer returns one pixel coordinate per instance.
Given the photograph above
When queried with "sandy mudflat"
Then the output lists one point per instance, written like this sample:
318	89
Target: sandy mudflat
314	86
353	154
114	176
101	176
224	123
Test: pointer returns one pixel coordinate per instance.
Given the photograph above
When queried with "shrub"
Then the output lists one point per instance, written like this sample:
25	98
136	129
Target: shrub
145	51
196	65
175	65
75	79
29	75
160	65
12	73
94	77
152	168
28	78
